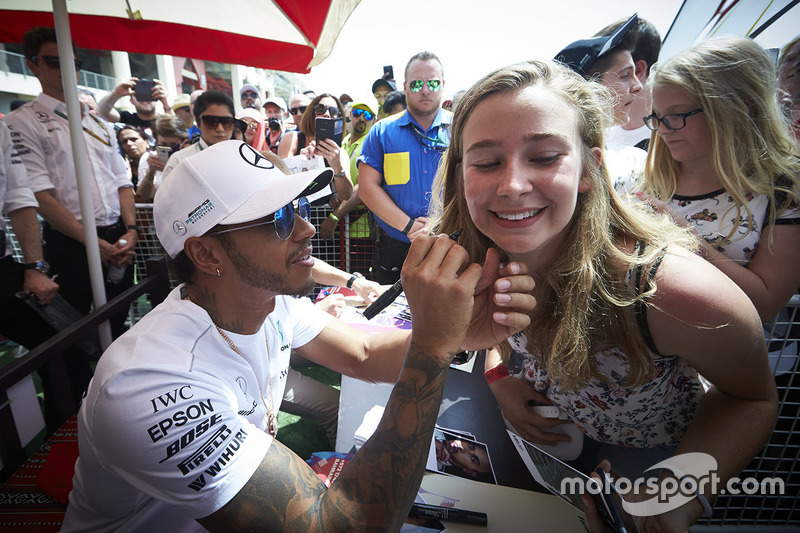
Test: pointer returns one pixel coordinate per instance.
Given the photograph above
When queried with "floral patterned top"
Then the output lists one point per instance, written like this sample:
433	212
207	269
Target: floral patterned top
714	215
654	414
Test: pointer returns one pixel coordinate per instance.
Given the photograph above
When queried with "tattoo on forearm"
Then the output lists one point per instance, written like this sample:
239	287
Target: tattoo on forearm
373	492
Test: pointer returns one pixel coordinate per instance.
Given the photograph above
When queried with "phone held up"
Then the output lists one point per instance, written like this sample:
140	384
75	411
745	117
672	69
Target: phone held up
163	153
388	72
329	128
143	91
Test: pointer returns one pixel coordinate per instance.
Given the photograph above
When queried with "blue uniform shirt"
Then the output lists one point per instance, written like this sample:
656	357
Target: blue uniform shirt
407	156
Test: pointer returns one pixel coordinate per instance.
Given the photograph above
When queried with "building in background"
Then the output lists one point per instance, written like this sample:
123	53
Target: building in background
102	70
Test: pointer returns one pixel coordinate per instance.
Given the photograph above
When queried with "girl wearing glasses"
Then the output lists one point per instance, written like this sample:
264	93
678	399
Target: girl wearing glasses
626	314
302	141
723	163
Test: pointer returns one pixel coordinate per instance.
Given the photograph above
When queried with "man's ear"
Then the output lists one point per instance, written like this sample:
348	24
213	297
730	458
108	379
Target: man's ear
640	68
205	253
33	67
585	182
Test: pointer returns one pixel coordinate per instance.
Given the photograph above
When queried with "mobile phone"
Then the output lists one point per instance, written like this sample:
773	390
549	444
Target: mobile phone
388	72
143	90
607	505
163	153
329	128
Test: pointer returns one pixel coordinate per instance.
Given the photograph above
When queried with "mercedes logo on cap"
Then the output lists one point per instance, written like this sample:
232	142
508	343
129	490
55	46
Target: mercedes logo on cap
178	228
252	157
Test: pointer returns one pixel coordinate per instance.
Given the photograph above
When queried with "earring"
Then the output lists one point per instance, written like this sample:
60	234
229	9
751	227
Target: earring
218	273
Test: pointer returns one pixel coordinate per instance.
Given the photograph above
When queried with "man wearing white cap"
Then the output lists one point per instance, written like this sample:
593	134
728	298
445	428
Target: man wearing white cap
177	429
274	110
250	97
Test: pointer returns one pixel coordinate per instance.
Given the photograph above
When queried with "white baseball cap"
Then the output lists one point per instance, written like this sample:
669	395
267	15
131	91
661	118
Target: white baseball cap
227	183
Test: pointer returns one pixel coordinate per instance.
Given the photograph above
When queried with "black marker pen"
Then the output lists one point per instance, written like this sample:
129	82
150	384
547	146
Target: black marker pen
448	513
391	294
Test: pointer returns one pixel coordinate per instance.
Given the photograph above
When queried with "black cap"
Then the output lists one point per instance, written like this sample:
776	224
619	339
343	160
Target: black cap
381	81
581	55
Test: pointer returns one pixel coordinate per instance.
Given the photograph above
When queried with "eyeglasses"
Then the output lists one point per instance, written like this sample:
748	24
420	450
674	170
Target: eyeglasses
298	110
211	121
320	109
283	219
367	115
54	61
673	121
250	94
433	85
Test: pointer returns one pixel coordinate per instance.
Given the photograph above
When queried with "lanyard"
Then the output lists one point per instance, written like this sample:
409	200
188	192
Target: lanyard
440	143
106	141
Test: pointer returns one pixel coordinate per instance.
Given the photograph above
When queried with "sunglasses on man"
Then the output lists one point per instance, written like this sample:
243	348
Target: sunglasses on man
54	61
433	85
212	121
298	110
250	94
358	112
283	219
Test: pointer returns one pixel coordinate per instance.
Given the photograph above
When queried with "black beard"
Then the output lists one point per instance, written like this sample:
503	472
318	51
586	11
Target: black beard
259	278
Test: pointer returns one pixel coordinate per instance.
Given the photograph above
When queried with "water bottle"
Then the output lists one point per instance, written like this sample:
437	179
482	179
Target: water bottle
116	273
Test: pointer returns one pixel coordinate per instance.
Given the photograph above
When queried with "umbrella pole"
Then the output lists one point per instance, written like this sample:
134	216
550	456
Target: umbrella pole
81	159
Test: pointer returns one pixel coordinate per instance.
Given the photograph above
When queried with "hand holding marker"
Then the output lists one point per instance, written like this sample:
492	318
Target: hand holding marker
391	294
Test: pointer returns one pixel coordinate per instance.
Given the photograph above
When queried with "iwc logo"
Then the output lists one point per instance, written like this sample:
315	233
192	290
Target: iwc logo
252	157
178	228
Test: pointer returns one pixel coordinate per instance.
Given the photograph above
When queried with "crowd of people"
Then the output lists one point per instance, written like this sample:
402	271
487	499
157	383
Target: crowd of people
627	227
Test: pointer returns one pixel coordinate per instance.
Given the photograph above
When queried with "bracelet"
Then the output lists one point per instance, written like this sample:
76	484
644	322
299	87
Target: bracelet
341	174
333	217
409	226
498	372
134	227
353	278
697	494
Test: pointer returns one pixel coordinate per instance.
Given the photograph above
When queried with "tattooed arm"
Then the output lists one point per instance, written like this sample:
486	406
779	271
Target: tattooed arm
376	489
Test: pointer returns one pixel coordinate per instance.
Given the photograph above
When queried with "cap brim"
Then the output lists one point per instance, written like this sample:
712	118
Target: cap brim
262	202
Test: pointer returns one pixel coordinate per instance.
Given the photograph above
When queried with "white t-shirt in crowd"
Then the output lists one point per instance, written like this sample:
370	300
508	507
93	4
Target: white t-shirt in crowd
173	423
619	135
625	165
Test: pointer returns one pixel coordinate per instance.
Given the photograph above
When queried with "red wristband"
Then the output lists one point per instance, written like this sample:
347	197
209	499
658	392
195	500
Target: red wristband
498	372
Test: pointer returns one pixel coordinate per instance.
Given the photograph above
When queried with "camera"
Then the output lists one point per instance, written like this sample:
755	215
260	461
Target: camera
274	124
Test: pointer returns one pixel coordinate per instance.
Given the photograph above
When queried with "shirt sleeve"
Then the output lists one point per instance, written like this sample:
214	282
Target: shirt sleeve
183	444
309	321
17	193
30	148
372	150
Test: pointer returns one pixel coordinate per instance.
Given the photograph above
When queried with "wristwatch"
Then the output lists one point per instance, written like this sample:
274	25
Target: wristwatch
41	265
353	278
134	227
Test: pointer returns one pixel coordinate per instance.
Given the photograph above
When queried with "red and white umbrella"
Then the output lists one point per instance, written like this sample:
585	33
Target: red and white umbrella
289	35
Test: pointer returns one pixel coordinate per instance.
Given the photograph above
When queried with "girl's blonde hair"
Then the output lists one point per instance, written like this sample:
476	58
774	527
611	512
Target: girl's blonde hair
590	305
734	81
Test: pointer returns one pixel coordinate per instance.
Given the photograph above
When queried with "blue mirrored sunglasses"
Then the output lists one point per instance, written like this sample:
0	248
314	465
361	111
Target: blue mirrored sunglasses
357	112
283	219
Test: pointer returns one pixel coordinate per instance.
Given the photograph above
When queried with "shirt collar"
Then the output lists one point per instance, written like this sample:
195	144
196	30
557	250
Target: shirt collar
53	104
442	117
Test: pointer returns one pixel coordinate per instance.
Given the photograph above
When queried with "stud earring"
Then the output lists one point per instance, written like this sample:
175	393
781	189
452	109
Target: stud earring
218	273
